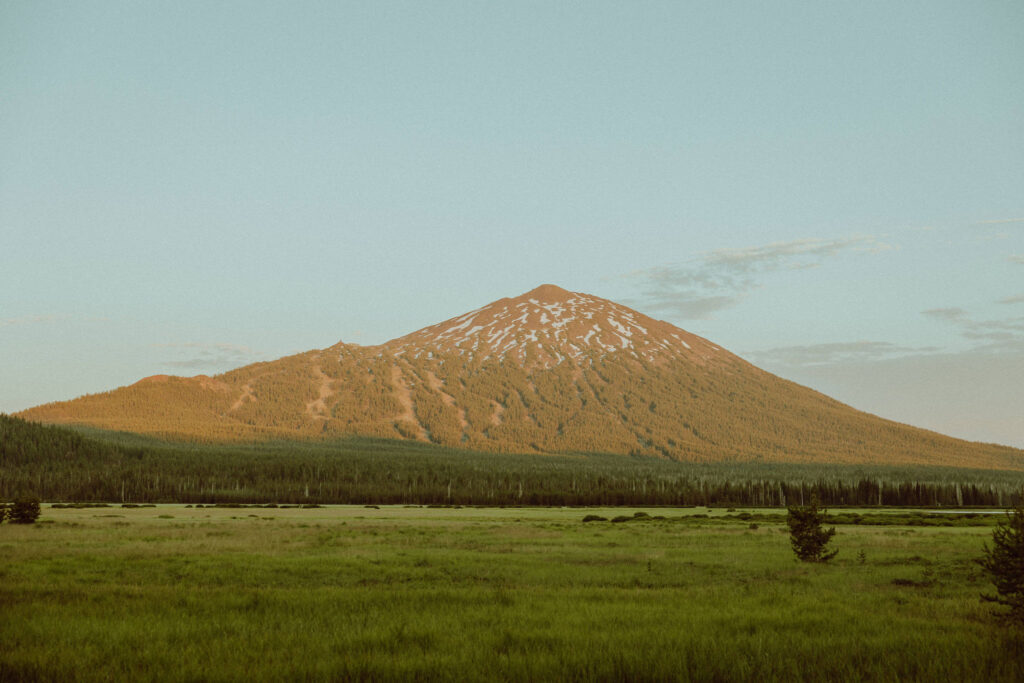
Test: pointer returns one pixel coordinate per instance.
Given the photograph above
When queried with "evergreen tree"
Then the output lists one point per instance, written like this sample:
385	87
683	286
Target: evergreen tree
1004	562
24	511
809	540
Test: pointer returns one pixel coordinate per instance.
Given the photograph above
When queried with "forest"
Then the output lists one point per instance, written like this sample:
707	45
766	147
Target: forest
59	464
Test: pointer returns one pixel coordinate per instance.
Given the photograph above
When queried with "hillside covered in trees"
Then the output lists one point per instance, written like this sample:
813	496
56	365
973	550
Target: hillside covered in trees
551	372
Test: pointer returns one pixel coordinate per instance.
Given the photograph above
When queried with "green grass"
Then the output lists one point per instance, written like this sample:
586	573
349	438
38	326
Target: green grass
256	594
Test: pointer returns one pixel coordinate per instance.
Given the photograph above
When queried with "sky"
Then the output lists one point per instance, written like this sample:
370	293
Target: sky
833	191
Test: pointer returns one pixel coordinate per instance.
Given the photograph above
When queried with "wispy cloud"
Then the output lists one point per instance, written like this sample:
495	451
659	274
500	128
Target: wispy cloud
1000	332
1001	221
953	314
202	356
719	279
833	353
1005	334
29	320
988	337
998	229
1016	258
796	254
1019	299
50	318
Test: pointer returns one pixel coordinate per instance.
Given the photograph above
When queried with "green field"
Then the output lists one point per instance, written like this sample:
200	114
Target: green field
181	594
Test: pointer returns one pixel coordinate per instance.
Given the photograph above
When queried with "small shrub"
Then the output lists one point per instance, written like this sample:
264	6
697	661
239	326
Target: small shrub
24	511
620	519
595	518
753	527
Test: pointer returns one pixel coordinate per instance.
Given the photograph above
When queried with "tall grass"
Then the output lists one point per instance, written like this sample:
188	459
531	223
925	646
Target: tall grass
179	594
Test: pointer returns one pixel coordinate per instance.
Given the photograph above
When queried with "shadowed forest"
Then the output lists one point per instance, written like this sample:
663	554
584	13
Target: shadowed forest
64	465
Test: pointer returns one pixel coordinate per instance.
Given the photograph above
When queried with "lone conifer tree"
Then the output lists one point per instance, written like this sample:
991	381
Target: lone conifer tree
24	511
806	535
1004	562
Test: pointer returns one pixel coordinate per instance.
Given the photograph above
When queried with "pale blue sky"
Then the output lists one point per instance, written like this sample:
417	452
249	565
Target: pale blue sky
833	191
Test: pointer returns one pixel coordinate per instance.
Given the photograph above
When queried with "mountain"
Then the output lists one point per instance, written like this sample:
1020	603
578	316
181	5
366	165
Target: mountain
547	371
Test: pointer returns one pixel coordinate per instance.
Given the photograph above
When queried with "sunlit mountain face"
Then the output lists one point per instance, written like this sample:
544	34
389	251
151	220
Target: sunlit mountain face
549	371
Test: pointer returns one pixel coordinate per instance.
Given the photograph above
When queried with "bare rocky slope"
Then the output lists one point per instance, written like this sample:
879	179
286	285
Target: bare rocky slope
547	371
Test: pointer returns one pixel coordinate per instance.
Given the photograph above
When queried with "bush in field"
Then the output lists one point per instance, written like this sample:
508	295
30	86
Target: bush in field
1004	562
23	511
805	533
3	512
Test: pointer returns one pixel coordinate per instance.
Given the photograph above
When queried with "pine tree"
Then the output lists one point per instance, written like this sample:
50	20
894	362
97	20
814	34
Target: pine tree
1004	562
809	540
23	511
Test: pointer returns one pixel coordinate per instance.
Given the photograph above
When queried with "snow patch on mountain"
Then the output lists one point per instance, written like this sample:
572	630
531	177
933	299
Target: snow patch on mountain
553	325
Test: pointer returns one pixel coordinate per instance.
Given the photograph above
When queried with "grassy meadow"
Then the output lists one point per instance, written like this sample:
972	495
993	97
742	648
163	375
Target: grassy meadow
354	593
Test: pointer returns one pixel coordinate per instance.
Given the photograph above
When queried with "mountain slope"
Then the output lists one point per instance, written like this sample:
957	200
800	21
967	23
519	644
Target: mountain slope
548	371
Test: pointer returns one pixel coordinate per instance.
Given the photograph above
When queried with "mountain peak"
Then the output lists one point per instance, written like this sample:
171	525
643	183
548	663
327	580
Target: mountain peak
547	325
547	292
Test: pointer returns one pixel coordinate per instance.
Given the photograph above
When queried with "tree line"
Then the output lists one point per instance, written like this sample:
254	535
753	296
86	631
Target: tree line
63	465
